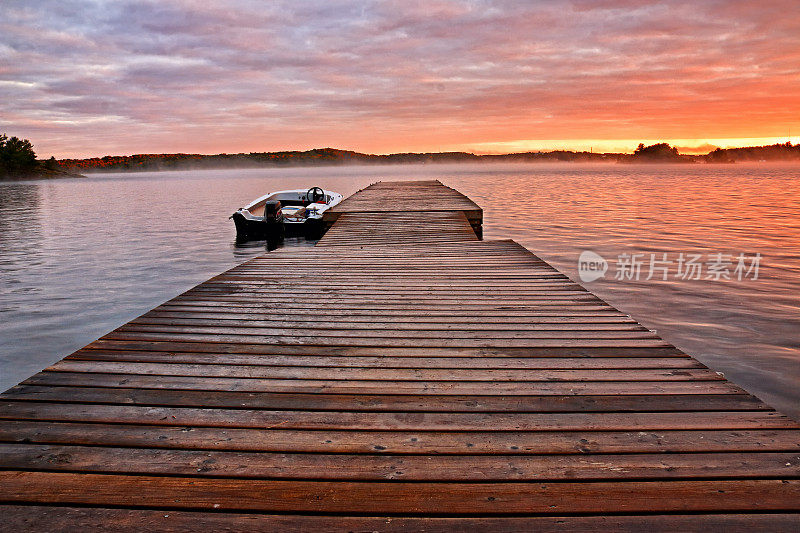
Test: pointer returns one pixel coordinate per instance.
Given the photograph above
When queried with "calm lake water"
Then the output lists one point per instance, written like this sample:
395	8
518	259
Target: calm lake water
80	257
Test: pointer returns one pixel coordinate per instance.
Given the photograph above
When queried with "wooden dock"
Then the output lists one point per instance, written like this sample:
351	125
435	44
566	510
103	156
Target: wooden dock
404	198
401	375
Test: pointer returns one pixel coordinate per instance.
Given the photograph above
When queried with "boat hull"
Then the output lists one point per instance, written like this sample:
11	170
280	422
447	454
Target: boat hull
289	212
252	229
311	228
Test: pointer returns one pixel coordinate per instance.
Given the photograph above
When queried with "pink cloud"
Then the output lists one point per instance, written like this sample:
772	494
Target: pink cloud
392	76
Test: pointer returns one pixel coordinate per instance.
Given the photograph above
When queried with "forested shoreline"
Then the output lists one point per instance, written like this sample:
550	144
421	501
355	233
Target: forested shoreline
18	159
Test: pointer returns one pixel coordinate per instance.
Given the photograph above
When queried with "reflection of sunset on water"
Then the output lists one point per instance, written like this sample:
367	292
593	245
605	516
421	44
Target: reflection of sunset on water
440	265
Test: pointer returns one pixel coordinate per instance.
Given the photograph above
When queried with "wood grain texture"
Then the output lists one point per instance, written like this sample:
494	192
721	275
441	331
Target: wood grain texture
399	497
405	197
418	226
67	519
400	375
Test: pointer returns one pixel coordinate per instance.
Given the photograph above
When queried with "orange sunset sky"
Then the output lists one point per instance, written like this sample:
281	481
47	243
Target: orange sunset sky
82	78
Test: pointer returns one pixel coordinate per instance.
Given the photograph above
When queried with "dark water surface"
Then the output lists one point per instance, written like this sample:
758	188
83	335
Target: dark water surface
80	257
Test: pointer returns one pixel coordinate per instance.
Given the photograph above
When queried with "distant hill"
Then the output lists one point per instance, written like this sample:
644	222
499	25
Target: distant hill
657	153
660	153
316	157
775	152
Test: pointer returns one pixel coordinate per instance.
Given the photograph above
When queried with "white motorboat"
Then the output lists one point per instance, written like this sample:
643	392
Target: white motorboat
296	211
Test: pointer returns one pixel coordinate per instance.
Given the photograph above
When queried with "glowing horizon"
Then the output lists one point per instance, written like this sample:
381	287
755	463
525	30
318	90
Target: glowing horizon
626	146
84	79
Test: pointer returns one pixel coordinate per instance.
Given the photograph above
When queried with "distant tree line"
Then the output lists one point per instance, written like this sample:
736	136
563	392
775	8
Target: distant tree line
656	151
18	161
776	152
316	157
17	157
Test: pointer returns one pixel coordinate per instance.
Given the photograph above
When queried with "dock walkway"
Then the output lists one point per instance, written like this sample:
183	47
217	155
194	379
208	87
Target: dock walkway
392	380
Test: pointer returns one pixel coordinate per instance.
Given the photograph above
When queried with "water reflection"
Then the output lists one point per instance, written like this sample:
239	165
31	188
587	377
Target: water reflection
244	247
20	205
84	256
19	215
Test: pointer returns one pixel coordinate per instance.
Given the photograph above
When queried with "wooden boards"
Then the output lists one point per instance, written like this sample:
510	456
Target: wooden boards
392	386
416	227
420	198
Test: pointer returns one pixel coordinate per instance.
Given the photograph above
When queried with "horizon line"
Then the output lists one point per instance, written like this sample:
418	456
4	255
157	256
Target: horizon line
700	150
695	146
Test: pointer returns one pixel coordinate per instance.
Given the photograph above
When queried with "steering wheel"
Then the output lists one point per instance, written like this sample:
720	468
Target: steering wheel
314	195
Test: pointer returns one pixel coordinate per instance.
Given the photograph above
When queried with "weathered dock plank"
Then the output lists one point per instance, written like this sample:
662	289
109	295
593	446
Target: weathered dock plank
418	200
392	380
429	227
400	497
57	519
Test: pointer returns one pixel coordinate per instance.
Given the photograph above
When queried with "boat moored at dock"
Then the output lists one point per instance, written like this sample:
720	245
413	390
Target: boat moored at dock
399	375
295	211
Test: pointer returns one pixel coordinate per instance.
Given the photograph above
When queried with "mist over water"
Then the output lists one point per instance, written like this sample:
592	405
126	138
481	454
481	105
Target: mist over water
80	257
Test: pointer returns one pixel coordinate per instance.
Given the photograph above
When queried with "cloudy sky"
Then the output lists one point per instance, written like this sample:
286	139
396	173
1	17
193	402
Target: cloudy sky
85	78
